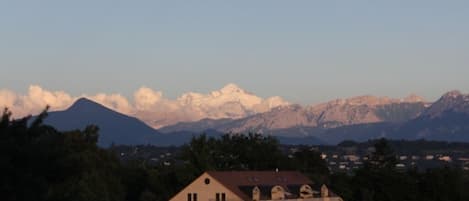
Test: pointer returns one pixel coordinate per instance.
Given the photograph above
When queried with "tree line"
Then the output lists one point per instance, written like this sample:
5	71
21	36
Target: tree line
39	162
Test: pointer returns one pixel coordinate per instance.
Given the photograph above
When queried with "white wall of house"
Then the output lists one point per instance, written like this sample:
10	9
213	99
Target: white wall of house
205	192
206	188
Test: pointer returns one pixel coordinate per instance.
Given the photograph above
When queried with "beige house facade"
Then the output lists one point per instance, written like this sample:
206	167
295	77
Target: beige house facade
254	186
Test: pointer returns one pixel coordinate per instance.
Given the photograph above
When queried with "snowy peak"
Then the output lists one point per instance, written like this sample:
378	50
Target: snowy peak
229	94
231	101
231	88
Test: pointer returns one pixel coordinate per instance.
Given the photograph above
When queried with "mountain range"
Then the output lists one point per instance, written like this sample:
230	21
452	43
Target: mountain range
359	118
341	112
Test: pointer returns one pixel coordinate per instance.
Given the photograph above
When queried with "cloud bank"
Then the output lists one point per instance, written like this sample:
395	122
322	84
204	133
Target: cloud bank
147	104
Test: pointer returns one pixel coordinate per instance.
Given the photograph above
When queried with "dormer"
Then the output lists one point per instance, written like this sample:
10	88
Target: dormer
324	191
256	194
306	191
277	193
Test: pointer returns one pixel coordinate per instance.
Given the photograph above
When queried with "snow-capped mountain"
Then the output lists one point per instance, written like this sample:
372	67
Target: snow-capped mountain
229	102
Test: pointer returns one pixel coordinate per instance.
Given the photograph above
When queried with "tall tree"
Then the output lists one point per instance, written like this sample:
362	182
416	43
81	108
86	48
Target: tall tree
41	163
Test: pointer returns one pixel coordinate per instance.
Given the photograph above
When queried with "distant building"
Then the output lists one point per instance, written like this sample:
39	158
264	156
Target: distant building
400	165
351	157
254	186
323	156
429	157
415	158
463	159
445	158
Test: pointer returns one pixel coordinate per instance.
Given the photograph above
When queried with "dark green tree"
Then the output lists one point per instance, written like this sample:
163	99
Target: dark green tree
41	163
383	156
233	152
310	163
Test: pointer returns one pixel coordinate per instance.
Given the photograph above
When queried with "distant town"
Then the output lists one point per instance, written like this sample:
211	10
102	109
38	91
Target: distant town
345	157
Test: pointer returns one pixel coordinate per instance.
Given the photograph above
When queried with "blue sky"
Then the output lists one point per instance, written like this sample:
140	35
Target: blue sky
304	51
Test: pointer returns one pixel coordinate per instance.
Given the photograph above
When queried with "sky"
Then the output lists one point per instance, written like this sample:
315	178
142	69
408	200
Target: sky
304	51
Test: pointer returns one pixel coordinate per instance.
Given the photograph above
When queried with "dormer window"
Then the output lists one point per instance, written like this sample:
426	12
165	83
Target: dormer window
277	193
256	194
306	191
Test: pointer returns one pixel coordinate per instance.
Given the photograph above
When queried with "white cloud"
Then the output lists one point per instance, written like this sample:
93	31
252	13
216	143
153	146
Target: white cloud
148	105
34	101
7	98
114	101
145	98
38	98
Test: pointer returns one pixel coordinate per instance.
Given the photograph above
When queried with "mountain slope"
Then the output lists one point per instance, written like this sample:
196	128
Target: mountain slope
196	127
446	119
453	101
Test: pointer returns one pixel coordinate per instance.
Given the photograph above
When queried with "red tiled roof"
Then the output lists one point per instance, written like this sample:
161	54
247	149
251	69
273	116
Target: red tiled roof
234	179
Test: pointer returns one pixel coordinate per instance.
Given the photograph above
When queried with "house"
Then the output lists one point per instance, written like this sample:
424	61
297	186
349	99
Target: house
445	158
254	186
429	157
351	157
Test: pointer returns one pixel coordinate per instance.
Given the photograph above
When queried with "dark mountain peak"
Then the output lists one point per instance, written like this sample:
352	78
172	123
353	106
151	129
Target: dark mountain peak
454	97
114	127
84	101
85	104
452	101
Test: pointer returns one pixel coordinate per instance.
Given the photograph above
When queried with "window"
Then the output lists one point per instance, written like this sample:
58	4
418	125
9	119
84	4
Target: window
217	197
189	197
192	197
207	181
